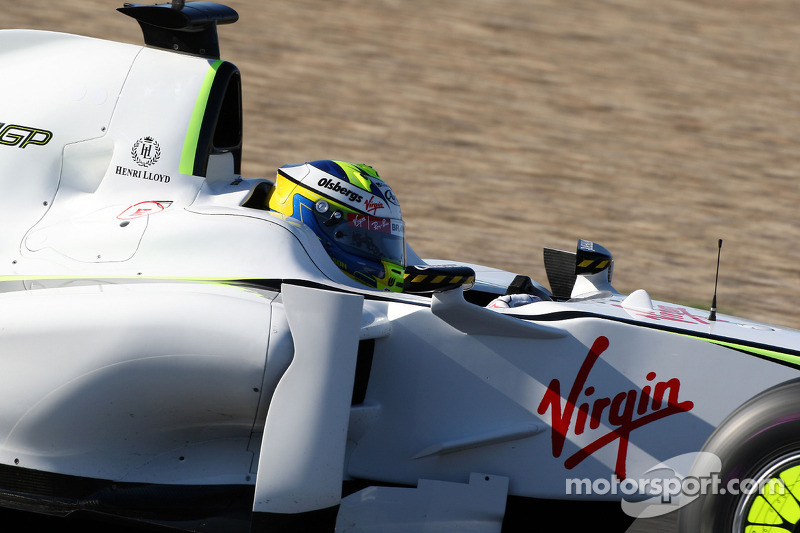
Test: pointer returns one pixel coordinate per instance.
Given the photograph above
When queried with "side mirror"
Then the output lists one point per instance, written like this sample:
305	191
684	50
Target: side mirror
593	269
428	279
592	258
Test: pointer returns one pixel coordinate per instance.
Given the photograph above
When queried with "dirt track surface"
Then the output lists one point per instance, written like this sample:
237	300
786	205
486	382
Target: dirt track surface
505	126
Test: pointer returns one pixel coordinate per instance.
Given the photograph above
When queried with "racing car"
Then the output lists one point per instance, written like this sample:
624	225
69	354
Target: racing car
175	353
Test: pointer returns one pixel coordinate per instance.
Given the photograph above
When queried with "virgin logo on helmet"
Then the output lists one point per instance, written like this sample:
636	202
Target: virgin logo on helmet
384	225
373	206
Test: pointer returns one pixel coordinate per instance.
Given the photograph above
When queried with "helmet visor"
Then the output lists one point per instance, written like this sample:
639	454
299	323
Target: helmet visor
367	236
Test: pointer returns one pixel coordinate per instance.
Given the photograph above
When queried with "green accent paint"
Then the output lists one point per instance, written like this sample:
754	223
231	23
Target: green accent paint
193	131
357	174
229	281
770	354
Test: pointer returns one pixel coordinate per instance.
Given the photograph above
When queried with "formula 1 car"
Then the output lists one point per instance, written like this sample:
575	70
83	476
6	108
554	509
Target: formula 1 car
173	353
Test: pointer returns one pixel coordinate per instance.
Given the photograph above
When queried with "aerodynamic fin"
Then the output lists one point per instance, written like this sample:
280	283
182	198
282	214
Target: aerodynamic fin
573	274
301	461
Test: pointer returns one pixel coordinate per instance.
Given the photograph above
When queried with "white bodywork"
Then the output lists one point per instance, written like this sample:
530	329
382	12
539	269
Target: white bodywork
155	330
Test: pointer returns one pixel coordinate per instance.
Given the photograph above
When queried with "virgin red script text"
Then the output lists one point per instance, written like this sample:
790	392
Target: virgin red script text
626	411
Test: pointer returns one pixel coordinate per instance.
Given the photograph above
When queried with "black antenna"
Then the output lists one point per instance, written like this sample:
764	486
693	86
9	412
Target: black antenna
713	315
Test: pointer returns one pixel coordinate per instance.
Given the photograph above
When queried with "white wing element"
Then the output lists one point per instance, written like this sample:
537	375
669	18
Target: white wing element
301	464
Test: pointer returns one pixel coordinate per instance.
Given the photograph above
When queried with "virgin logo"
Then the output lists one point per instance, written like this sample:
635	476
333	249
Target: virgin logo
625	412
373	206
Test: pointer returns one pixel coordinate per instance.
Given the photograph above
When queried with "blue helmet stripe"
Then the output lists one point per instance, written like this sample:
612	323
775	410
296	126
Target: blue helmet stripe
331	168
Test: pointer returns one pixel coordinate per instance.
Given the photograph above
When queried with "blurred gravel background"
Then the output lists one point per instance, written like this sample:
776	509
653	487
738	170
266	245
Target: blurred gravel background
653	128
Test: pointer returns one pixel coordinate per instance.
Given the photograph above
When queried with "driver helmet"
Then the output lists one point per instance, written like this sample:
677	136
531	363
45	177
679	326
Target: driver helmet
353	212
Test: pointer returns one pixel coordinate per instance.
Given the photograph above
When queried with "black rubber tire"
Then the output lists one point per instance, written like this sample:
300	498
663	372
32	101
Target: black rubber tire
749	443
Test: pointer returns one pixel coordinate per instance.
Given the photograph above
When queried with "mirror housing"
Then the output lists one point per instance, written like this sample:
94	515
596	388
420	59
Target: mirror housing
429	279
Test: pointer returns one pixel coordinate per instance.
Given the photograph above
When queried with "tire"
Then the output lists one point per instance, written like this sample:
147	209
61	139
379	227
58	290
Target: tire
760	441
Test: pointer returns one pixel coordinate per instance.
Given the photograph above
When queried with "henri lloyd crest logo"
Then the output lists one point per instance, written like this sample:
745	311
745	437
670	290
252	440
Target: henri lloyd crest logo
626	411
146	151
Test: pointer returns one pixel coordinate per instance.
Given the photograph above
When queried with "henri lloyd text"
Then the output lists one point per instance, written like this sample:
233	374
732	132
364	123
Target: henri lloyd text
142	174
